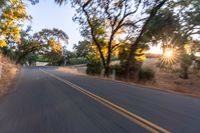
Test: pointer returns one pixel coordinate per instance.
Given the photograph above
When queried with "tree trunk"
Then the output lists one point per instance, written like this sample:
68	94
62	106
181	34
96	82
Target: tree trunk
107	71
184	71
134	46
107	67
184	65
130	59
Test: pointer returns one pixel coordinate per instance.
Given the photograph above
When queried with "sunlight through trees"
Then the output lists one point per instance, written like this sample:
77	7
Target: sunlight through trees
121	30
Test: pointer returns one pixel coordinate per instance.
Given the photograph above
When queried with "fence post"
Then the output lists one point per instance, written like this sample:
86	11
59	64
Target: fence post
102	73
0	66
113	74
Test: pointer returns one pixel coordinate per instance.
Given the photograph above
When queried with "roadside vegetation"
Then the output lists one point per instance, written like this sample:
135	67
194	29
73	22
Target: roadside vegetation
118	36
8	73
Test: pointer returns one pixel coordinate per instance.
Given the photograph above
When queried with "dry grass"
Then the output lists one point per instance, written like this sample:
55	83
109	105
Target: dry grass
72	70
9	71
170	81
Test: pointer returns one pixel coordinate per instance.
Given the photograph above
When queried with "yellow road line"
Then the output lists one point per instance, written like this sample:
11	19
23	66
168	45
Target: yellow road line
129	115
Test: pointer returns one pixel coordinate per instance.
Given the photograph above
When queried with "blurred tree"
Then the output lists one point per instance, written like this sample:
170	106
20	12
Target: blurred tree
109	23
190	27
12	13
174	25
152	8
83	48
163	29
46	42
51	42
102	21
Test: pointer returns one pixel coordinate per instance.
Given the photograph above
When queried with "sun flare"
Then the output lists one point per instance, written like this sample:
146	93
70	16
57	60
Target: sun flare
168	53
170	56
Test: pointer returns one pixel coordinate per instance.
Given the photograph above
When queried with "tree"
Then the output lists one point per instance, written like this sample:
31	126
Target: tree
163	30
50	40
190	27
12	13
46	42
176	28
102	21
157	5
26	47
83	48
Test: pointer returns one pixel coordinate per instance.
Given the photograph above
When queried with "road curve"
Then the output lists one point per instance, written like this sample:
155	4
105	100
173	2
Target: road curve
45	100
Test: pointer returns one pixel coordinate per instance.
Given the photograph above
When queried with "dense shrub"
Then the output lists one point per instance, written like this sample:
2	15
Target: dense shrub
198	64
119	69
146	74
93	67
77	60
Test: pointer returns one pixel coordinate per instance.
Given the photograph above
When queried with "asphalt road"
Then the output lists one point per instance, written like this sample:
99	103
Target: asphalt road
44	100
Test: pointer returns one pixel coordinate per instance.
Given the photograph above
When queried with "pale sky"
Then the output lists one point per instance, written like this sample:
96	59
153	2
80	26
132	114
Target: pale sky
47	14
155	50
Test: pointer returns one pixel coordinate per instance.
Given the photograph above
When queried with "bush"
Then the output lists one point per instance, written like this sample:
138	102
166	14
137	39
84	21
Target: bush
77	60
198	64
93	67
119	69
146	74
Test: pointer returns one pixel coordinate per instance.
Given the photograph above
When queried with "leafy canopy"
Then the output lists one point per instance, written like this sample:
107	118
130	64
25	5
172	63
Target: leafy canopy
12	14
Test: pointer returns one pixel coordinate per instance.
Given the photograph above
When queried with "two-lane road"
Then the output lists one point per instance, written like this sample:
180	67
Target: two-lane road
48	101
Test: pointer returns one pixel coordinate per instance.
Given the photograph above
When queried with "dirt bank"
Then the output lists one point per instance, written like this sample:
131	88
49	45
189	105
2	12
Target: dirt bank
8	73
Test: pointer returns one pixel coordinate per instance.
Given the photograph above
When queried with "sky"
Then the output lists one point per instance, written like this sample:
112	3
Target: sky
47	14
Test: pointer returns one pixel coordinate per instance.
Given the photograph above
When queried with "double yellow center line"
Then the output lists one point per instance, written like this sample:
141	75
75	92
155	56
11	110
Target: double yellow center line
127	114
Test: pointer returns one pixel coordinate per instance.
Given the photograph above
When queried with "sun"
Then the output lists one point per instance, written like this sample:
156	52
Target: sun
170	56
169	53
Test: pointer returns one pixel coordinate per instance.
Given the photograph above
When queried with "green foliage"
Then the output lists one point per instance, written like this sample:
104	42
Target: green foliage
186	59
30	59
110	30
162	26
9	52
42	58
146	74
45	35
12	13
77	60
106	24
119	69
135	63
93	67
83	48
